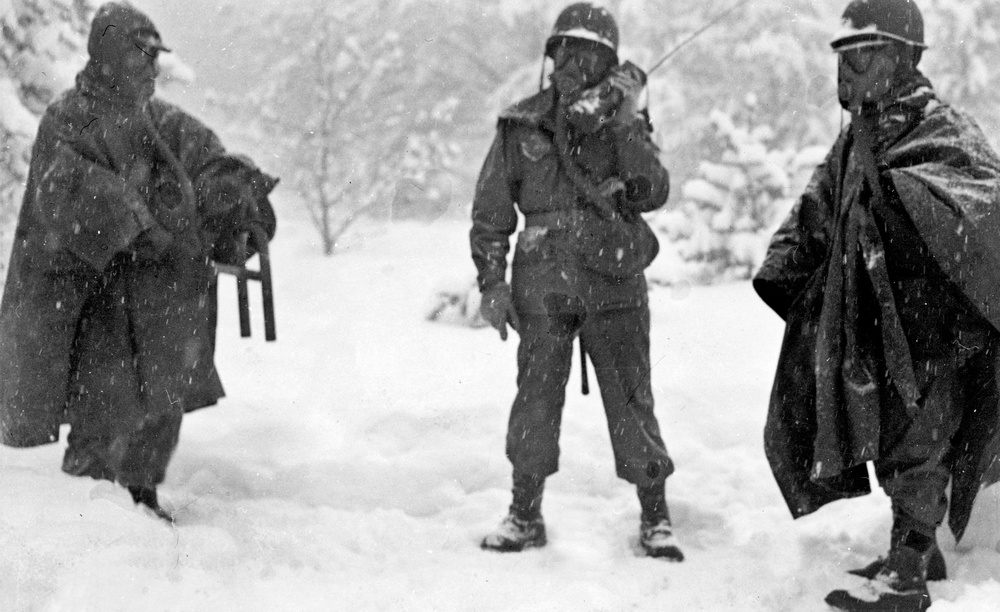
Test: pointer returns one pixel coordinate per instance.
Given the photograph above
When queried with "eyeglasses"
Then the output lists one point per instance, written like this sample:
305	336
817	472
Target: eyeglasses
149	44
859	59
151	52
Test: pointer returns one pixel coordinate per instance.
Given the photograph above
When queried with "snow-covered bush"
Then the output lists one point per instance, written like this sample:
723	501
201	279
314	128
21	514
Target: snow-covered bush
964	40
728	211
456	303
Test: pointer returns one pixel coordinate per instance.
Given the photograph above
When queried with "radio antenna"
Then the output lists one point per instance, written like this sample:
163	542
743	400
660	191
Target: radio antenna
696	34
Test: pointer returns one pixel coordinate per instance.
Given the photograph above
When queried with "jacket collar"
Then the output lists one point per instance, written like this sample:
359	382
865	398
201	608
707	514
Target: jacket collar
910	103
535	111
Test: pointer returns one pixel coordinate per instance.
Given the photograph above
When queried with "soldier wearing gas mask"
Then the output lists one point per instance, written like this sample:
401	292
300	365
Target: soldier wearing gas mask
108	315
577	161
885	274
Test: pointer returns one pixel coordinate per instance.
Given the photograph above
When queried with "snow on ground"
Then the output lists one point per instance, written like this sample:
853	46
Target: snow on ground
356	463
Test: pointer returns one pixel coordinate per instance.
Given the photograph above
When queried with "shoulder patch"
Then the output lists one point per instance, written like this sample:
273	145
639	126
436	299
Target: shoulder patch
535	146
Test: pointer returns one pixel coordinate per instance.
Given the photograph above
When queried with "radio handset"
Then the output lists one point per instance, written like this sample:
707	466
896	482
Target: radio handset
600	104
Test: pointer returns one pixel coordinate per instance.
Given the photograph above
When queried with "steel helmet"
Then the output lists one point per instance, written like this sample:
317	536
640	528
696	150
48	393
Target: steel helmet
869	21
585	21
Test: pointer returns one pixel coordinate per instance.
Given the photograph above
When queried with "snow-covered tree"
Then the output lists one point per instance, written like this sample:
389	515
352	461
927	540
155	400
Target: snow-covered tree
456	302
964	40
348	107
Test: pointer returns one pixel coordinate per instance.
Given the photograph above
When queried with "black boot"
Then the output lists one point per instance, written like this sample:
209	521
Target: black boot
936	568
902	524
656	535
146	496
523	526
899	586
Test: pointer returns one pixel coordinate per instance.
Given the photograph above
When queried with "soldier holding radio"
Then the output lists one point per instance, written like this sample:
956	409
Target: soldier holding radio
577	161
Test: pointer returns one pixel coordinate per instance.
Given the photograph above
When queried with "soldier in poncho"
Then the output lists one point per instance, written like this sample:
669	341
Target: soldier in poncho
108	315
887	273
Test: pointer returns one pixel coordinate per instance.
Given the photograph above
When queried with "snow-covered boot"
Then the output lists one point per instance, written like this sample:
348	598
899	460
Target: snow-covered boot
523	527
900	586
146	496
936	568
903	524
515	534
658	540
656	535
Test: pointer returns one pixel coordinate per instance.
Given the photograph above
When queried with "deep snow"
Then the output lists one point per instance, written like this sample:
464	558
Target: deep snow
357	461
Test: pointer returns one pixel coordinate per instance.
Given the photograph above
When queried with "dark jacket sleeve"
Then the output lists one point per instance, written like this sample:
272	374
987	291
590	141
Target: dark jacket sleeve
800	245
194	143
647	182
84	205
231	191
494	217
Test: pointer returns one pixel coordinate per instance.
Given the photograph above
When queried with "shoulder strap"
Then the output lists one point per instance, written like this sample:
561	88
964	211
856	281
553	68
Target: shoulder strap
189	203
862	129
591	192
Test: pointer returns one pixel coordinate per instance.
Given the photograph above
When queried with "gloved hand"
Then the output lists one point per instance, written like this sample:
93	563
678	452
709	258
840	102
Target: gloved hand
497	308
157	244
629	86
152	244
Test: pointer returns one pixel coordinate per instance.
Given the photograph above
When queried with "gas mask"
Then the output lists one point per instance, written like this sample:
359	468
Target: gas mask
577	66
866	75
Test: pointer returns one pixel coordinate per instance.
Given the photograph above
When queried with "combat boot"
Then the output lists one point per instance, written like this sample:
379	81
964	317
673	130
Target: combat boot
523	527
899	586
902	524
936	568
515	534
146	496
658	540
656	535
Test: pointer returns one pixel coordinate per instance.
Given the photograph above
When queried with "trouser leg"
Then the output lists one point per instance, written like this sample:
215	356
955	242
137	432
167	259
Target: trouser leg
147	451
618	344
165	341
543	364
527	496
913	466
653	503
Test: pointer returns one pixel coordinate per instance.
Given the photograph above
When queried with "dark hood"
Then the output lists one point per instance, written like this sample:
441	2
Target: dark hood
117	29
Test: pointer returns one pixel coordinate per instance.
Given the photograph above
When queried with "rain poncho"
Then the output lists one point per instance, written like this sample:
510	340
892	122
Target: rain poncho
834	273
100	325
